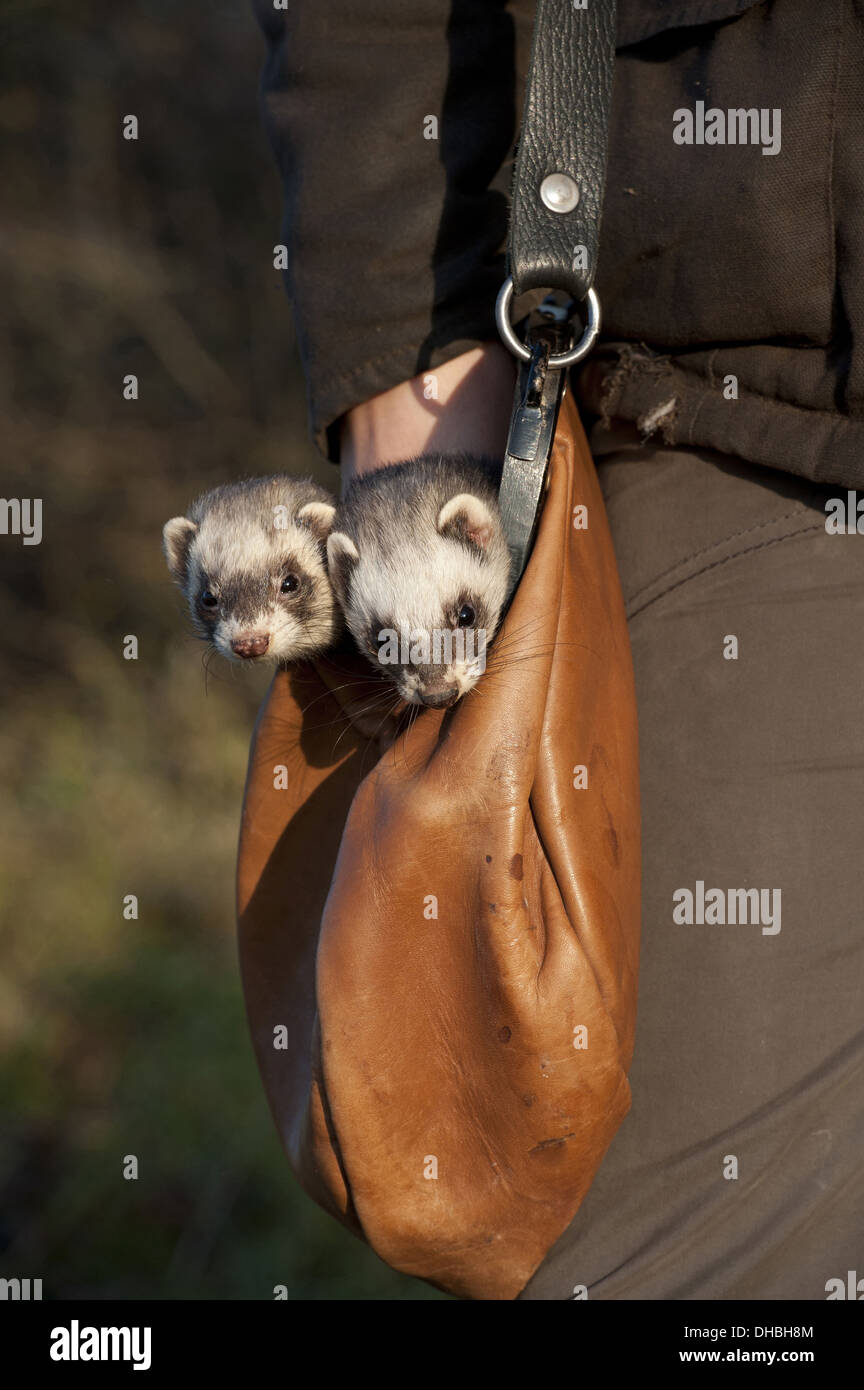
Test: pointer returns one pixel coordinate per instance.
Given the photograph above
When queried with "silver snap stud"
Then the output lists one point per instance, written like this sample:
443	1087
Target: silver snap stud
559	193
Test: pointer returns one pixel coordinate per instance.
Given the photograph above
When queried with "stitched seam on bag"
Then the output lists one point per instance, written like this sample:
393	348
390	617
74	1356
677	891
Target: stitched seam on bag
748	550
715	545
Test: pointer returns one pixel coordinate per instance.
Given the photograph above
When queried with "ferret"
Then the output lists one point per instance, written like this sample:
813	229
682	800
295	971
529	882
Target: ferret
250	558
420	564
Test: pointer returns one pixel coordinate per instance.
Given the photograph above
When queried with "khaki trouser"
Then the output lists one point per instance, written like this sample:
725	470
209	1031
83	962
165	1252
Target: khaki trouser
740	1171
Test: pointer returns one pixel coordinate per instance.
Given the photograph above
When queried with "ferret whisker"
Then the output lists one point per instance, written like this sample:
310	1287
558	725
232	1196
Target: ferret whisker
506	647
521	649
212	672
342	720
507	637
348	685
348	727
370	672
414	712
358	714
371	741
342	715
511	632
506	658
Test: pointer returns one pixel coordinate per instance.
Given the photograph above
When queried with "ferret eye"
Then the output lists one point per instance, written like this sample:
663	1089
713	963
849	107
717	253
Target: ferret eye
290	584
465	616
209	600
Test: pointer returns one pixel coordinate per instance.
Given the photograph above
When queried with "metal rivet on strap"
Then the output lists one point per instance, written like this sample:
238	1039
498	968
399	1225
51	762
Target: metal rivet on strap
559	193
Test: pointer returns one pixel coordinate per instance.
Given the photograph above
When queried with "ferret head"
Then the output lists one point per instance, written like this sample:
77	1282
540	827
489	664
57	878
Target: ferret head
250	559
424	607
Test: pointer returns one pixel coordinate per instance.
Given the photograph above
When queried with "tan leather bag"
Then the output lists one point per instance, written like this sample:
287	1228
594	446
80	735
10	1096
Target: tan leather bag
446	936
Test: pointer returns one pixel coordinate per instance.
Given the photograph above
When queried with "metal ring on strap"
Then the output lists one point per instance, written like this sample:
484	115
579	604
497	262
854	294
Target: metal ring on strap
561	359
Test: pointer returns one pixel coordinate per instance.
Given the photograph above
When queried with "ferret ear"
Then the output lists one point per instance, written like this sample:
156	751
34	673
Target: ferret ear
318	516
342	556
467	518
177	535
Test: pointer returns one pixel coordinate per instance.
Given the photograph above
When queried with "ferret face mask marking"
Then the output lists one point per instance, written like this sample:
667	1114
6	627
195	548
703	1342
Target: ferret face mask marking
250	560
421	567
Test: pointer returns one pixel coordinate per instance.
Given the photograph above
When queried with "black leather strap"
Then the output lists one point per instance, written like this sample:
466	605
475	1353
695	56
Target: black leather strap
564	131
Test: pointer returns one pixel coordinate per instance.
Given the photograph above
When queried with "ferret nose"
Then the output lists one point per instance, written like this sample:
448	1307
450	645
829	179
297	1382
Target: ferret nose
440	699
251	644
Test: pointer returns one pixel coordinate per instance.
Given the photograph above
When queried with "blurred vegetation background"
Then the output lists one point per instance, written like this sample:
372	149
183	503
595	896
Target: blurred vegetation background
151	257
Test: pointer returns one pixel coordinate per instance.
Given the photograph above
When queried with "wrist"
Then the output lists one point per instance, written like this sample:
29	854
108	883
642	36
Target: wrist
462	406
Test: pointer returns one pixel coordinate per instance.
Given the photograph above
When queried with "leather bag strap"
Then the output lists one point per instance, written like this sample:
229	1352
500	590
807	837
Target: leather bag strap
562	149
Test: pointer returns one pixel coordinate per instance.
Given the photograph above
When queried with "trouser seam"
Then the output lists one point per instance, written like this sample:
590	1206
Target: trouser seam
715	564
706	549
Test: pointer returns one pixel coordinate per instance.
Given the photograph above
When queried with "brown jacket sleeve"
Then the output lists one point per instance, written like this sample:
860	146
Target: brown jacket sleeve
393	123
